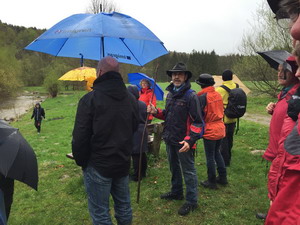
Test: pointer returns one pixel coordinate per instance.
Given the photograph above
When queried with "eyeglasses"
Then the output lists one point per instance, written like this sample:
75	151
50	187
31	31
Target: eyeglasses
286	17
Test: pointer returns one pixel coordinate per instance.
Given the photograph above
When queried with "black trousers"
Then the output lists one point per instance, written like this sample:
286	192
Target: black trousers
7	186
227	143
135	163
37	124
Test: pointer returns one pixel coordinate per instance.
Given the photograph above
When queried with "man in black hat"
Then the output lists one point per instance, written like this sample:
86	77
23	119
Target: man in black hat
230	123
183	126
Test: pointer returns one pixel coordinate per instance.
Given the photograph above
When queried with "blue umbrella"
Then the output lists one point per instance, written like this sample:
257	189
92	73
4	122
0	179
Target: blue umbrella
94	36
135	78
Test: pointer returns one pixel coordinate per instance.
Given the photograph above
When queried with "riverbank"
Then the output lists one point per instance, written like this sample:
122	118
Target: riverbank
12	108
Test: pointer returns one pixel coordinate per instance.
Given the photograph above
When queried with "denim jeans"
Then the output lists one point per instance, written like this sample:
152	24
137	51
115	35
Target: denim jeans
2	209
213	156
98	189
183	163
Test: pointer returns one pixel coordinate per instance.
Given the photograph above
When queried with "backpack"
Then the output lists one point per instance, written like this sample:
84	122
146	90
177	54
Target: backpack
237	102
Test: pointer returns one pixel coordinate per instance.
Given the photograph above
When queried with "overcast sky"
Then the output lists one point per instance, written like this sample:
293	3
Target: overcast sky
182	25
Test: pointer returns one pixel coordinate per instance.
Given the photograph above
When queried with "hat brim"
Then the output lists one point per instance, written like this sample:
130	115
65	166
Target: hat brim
274	5
204	84
189	73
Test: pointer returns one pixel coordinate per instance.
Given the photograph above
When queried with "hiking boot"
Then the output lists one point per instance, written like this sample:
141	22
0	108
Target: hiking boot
171	196
261	216
222	180
208	184
186	208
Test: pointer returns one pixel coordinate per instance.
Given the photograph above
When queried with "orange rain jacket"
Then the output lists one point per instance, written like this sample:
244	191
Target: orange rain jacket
213	113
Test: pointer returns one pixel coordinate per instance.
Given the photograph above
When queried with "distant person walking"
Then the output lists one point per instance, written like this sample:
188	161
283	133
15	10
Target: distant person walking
38	114
106	120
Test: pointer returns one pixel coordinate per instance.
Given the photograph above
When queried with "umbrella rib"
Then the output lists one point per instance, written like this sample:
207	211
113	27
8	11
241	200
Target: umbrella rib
122	39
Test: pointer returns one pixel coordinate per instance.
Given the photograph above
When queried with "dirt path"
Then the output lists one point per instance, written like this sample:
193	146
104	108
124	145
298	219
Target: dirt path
264	120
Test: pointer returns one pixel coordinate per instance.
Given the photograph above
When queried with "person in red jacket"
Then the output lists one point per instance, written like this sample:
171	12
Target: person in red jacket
213	112
147	95
278	110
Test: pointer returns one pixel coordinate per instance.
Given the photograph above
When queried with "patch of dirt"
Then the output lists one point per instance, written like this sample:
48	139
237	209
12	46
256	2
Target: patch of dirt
257	118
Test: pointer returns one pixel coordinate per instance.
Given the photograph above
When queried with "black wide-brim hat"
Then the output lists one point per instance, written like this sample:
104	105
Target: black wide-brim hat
274	5
180	67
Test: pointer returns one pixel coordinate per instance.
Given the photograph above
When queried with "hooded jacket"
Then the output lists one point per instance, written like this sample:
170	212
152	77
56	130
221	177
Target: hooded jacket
213	113
182	115
38	113
105	122
278	116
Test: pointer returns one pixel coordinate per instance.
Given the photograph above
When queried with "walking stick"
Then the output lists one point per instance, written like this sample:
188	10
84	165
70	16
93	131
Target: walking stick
142	142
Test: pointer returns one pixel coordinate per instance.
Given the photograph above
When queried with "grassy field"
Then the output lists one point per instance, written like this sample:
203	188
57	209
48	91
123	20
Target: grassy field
61	198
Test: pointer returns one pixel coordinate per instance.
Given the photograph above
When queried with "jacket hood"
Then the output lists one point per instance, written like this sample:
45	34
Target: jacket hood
134	90
112	85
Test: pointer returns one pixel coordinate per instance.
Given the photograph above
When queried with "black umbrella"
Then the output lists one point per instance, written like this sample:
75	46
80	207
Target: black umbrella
17	158
276	57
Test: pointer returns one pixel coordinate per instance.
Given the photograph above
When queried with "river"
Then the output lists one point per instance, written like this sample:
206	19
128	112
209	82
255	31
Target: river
12	108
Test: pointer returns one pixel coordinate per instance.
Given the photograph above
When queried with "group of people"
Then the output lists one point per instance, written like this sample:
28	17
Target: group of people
110	121
284	144
108	131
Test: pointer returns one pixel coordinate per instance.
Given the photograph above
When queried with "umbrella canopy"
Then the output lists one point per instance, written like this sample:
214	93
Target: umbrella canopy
135	78
95	36
79	74
276	58
17	159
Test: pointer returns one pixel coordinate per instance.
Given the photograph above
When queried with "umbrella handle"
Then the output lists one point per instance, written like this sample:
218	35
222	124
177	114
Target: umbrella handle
142	141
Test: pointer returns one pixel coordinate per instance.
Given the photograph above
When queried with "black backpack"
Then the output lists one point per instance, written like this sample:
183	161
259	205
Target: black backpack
237	102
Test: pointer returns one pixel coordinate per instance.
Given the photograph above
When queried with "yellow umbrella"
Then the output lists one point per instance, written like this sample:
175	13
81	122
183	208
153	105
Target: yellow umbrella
79	74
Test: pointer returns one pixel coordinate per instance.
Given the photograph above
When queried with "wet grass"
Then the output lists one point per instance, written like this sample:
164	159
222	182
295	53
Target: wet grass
61	198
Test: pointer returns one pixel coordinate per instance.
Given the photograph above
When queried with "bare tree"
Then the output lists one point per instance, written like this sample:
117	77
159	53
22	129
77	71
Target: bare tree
264	35
97	6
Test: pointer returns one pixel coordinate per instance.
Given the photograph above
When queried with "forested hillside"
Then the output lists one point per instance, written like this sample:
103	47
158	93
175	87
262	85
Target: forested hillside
19	67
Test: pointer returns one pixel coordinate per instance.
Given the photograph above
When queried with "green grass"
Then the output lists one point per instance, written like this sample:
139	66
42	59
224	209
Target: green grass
61	197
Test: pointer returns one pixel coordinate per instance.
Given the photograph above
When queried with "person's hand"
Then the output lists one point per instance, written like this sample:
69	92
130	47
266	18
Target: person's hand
151	109
185	146
294	107
270	107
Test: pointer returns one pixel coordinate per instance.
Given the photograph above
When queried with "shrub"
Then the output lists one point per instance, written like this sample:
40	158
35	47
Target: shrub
52	85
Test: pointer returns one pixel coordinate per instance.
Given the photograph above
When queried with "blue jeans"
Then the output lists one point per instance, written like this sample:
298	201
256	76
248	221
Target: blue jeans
98	189
213	156
183	163
2	209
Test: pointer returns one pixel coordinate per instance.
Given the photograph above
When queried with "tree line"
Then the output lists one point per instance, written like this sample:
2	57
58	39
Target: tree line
19	67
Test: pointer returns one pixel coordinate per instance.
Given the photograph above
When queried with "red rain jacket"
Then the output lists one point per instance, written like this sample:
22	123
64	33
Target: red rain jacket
279	113
284	182
145	96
